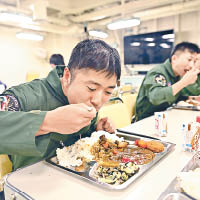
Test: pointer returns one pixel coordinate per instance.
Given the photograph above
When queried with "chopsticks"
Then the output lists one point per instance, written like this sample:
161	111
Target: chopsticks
137	134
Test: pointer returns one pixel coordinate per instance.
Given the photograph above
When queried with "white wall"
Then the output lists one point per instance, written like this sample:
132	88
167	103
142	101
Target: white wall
186	26
62	44
17	57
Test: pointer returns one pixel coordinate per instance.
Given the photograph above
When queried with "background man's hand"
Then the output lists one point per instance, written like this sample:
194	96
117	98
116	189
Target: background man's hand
67	119
190	77
106	125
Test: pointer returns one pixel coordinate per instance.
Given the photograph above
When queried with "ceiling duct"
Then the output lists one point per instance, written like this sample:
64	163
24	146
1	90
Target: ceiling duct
158	12
169	10
68	17
129	8
40	10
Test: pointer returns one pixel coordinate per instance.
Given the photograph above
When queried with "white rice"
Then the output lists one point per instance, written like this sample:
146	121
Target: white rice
110	137
190	182
71	156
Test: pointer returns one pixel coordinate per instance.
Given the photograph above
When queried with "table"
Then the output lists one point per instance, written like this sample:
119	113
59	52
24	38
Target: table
42	181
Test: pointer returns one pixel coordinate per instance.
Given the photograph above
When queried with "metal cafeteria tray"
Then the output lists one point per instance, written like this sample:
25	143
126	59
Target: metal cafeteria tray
195	108
142	168
173	191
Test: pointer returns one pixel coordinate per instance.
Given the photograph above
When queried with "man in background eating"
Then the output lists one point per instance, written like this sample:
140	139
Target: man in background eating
194	89
162	85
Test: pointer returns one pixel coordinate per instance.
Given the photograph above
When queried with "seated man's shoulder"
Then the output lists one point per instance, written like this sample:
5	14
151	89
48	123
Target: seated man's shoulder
156	75
29	86
158	69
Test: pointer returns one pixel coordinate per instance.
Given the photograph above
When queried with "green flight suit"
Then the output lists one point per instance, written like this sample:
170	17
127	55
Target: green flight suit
155	93
18	129
193	89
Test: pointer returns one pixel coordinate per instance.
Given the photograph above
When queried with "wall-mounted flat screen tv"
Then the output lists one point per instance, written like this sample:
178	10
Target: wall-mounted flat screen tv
148	48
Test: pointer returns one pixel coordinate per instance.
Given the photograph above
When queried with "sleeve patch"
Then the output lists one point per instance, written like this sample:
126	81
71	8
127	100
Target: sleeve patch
160	79
9	103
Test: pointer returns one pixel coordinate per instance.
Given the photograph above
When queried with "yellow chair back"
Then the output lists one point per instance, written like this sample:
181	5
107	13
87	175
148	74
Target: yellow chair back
126	88
32	75
5	167
118	114
130	102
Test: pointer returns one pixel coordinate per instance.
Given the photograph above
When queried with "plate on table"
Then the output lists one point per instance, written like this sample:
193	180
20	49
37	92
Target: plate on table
186	186
187	105
126	166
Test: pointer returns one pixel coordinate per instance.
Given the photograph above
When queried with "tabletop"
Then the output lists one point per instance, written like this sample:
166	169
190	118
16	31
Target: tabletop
43	181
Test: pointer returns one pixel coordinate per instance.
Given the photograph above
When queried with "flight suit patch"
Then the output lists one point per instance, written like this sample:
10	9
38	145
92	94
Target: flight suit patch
9	103
161	79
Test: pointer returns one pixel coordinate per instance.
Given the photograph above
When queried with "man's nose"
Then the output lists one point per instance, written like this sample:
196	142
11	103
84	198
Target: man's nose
96	99
197	64
191	64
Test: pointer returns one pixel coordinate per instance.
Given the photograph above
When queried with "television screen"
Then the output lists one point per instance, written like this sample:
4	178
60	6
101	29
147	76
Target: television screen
149	48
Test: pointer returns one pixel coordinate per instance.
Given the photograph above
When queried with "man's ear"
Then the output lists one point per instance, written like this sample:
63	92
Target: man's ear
66	77
173	58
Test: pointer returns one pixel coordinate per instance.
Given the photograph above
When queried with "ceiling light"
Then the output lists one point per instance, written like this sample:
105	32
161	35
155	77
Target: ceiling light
135	44
149	39
168	36
152	44
123	24
99	34
15	18
171	40
29	36
165	45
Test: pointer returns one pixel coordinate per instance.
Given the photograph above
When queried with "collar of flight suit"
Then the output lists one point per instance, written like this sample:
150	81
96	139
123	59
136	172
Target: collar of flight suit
169	68
54	85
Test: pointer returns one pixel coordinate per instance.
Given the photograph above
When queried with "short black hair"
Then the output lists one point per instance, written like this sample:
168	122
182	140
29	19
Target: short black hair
191	47
57	59
97	55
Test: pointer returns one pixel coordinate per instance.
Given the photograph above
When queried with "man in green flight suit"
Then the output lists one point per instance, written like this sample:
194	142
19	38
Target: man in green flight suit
58	108
162	85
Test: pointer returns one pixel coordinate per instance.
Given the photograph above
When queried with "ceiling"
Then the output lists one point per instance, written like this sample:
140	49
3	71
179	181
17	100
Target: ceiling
70	16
